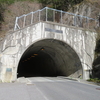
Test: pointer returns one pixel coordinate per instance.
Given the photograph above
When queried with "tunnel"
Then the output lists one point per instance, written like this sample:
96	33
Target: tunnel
49	58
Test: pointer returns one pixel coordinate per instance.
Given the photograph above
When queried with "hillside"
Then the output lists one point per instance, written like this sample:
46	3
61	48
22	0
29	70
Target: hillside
8	12
11	11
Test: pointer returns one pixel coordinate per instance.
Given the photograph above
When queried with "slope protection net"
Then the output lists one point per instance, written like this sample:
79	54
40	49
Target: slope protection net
57	16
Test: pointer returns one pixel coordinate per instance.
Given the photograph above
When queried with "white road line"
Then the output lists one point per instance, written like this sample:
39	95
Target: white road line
42	94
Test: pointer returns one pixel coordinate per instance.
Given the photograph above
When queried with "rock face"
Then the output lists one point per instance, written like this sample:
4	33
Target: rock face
91	8
87	8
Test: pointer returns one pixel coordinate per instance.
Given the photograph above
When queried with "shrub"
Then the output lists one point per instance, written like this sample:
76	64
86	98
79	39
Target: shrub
96	80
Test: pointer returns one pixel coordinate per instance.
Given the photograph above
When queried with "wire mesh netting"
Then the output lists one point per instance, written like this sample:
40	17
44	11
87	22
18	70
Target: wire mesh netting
67	19
49	15
36	17
91	24
28	19
57	16
20	22
43	15
78	21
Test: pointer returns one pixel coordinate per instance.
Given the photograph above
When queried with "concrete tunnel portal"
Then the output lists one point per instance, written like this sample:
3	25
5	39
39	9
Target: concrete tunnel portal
49	58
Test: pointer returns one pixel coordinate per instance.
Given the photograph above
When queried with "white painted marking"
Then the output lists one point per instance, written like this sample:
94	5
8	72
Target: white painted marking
42	94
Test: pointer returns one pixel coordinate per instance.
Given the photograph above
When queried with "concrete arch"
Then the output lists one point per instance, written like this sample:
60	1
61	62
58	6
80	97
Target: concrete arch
66	41
53	58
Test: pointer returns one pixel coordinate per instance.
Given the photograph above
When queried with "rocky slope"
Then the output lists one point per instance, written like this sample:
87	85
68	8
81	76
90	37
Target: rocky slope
88	8
91	8
16	9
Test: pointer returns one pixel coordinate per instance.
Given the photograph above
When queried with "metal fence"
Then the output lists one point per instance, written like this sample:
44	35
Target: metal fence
57	16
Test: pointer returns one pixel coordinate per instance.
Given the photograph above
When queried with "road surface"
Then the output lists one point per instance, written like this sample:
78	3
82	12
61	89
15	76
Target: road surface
64	89
49	88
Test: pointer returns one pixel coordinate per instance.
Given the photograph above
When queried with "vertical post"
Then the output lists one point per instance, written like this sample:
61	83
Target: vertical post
81	21
46	13
98	20
97	23
24	20
15	27
39	15
75	20
87	23
61	16
86	26
53	15
32	18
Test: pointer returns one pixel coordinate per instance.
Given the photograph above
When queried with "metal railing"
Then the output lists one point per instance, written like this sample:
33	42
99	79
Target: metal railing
57	16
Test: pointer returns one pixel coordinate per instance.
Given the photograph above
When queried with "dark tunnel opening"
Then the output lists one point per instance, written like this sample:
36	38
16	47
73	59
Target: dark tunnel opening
38	65
49	58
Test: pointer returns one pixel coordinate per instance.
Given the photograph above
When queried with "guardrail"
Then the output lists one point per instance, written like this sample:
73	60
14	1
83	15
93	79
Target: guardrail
57	16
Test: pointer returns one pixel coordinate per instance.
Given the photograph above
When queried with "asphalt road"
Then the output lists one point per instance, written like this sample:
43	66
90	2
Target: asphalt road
49	89
64	89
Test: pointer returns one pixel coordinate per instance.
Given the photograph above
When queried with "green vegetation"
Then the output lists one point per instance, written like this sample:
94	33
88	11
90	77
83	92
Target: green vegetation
60	4
57	4
96	80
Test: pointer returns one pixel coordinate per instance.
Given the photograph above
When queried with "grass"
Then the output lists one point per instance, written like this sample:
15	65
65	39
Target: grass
95	80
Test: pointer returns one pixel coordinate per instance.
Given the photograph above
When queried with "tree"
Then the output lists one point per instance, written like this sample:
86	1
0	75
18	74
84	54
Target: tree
60	4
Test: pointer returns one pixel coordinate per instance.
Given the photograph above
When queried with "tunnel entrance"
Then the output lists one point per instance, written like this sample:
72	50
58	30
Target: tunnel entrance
49	57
